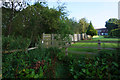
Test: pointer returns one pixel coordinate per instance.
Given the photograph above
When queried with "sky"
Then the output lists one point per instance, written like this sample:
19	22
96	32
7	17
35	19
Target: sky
98	12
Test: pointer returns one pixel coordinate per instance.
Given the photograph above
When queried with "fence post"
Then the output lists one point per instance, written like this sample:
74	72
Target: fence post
66	49
99	45
52	39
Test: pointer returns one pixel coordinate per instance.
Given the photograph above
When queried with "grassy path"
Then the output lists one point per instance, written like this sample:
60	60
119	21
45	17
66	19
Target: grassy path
107	45
61	70
87	49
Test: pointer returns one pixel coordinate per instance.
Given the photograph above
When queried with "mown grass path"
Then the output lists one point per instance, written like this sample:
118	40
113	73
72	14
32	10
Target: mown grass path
91	46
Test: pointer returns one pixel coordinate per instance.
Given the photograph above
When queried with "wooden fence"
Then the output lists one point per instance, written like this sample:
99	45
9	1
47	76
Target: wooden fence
66	45
49	39
19	50
98	48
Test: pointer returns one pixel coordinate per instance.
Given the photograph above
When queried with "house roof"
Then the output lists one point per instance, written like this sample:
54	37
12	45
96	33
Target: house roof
101	29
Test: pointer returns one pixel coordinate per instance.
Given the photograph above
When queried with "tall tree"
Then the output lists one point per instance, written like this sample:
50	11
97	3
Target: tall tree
83	25
111	24
91	31
10	9
118	23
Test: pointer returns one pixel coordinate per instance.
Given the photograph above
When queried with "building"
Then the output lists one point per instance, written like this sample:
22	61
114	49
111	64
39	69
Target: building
102	31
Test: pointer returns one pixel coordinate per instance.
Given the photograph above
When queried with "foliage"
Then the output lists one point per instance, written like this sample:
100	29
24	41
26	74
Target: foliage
83	25
10	10
118	23
26	64
13	43
111	24
26	26
91	31
33	64
115	33
103	66
79	27
34	20
41	63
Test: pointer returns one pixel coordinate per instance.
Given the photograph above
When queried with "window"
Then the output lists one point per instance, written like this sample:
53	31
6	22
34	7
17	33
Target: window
106	33
102	33
99	30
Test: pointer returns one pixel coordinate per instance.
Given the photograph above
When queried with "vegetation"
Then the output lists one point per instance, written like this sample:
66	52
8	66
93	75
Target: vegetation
93	46
52	62
82	26
103	66
101	38
25	22
115	33
23	28
38	63
113	26
91	31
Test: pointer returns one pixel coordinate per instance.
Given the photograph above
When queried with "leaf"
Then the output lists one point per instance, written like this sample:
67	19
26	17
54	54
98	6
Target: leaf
115	64
36	76
87	72
32	74
75	76
83	70
41	75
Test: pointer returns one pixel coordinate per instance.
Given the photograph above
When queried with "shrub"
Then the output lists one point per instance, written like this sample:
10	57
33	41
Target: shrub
103	66
115	33
12	43
91	31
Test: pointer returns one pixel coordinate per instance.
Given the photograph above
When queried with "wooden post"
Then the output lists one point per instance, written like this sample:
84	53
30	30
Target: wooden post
81	36
66	49
73	38
77	37
52	38
42	40
99	45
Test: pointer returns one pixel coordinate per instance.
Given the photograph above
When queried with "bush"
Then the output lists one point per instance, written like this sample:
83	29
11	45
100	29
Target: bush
115	33
91	31
32	64
103	66
12	43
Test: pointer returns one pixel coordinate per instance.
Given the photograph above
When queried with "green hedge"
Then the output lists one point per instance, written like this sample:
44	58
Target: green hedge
115	33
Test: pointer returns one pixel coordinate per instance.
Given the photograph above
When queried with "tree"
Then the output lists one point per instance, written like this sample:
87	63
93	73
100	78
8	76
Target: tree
115	33
9	9
83	25
91	31
111	24
118	23
32	21
74	25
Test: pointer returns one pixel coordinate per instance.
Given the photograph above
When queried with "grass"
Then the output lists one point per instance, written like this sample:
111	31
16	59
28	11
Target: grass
83	50
107	45
61	70
78	56
95	38
104	39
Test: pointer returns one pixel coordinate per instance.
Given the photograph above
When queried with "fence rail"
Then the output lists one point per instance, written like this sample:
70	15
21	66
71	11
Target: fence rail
83	41
99	46
91	47
66	45
19	50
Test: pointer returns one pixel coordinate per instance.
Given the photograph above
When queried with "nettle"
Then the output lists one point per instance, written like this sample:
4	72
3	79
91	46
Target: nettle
103	66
